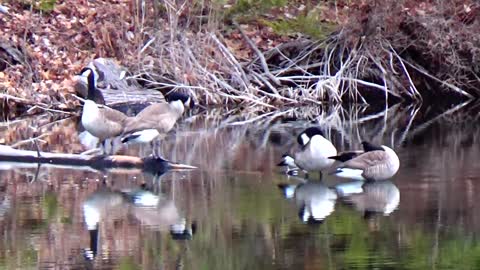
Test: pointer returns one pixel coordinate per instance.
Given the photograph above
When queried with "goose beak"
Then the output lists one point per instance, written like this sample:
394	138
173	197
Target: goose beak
181	166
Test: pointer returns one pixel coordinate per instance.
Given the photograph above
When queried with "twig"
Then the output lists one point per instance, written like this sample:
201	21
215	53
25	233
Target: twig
451	86
48	110
147	45
225	85
297	68
54	122
91	151
409	125
267	83
431	121
37	147
22	100
259	54
232	59
37	172
258	117
414	90
22	142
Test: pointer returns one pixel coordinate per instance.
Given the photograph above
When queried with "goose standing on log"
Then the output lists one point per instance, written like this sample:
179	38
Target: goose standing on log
313	153
102	122
376	163
156	120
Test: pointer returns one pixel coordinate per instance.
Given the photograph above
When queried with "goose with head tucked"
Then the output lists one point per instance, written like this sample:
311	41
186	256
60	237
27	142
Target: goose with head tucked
377	162
156	120
312	152
100	121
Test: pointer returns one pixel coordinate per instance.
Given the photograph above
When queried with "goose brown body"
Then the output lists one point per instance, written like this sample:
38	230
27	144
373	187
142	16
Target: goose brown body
159	116
102	122
376	163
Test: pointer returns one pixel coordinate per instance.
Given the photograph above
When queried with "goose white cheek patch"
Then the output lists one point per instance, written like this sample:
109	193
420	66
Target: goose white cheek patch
304	138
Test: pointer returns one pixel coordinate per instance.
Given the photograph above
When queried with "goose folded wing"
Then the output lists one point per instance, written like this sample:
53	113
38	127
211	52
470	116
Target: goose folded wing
134	126
154	110
113	115
366	160
162	122
347	155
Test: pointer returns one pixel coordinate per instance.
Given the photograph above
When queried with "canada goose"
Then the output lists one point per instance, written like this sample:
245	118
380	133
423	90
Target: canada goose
156	120
376	163
377	197
315	200
312	153
101	122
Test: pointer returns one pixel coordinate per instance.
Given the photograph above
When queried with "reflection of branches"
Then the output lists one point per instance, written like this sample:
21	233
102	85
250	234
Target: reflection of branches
426	124
38	173
409	125
24	131
217	138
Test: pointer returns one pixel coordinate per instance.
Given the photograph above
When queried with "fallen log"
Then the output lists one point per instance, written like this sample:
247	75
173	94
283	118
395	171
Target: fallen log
113	84
11	157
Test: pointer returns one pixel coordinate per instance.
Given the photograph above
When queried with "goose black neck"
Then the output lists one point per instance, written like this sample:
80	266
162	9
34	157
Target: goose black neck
91	86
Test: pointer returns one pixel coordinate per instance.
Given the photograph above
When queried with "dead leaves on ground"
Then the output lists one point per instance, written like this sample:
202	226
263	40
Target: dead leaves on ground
55	45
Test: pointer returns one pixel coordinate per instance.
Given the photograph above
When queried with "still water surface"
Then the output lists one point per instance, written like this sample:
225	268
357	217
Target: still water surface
236	214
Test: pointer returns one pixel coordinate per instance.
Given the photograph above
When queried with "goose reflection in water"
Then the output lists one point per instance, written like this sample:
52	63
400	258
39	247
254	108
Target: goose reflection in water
160	213
378	197
314	200
152	210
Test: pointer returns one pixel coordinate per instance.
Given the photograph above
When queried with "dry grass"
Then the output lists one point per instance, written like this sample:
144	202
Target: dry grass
376	56
394	51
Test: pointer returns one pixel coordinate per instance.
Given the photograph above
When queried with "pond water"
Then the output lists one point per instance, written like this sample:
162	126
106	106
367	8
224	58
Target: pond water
235	214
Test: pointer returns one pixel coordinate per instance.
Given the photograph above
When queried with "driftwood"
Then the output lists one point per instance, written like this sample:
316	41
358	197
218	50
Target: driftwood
114	86
11	157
